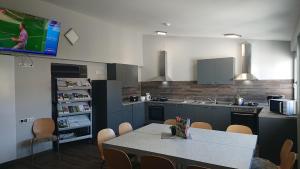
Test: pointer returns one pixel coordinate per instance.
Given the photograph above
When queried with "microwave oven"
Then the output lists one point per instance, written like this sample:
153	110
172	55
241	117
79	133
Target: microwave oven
283	106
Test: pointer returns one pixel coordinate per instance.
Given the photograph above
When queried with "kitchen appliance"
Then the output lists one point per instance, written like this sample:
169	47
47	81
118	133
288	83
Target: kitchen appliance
143	98
283	106
133	98
246	115
156	113
274	97
163	70
238	100
148	96
246	63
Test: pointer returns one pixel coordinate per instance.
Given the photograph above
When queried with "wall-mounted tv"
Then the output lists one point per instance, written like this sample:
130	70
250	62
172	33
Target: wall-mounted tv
24	33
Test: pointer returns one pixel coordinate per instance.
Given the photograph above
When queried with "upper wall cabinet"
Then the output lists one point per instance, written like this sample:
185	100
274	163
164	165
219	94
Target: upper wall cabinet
216	71
127	74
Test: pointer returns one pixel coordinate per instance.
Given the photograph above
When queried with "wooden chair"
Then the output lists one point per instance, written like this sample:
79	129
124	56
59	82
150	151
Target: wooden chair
288	161
170	122
201	125
104	135
239	129
195	167
151	162
285	156
286	148
117	159
125	128
43	130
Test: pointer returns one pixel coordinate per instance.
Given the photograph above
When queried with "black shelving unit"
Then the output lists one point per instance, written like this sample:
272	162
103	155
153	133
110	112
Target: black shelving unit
78	120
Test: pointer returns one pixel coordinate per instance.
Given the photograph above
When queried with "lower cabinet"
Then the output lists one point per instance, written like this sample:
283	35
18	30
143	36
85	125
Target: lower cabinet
138	115
272	133
114	119
217	116
221	117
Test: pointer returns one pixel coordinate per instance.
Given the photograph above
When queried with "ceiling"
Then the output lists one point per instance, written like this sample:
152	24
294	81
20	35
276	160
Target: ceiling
254	19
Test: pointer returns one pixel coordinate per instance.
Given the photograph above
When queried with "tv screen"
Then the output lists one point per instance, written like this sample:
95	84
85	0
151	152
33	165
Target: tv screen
20	32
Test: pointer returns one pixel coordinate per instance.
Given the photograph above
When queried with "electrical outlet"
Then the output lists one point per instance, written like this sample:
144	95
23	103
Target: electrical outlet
27	120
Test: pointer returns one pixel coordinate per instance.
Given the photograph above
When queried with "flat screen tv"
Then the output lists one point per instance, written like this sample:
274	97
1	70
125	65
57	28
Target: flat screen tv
24	33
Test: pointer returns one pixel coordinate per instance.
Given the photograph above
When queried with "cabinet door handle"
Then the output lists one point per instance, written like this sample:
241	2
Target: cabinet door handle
243	114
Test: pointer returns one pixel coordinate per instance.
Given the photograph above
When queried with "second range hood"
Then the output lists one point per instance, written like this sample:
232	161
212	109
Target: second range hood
163	75
246	63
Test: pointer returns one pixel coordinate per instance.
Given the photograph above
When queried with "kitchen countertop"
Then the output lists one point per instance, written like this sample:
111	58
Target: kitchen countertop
266	113
197	103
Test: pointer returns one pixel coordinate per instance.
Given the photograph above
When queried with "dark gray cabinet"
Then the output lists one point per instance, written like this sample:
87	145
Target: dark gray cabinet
216	71
217	116
107	105
138	115
127	74
272	134
221	117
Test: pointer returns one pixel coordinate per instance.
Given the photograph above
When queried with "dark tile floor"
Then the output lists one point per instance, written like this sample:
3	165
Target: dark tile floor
72	156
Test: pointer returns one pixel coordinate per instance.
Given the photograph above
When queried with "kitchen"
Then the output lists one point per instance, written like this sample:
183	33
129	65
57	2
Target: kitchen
221	100
143	64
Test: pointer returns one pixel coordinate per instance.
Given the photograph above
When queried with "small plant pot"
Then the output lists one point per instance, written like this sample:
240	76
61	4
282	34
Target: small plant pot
173	131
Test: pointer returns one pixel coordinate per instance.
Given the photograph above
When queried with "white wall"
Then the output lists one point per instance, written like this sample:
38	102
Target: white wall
7	111
99	41
270	59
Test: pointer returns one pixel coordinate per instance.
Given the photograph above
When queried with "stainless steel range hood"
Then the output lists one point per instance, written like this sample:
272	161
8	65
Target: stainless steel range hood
163	75
246	63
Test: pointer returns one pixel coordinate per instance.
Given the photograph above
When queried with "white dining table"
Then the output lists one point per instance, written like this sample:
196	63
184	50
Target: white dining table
207	148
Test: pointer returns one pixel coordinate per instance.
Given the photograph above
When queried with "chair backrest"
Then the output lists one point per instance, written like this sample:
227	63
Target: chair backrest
125	128
170	122
239	129
103	136
286	149
151	162
117	159
289	161
201	125
43	127
195	167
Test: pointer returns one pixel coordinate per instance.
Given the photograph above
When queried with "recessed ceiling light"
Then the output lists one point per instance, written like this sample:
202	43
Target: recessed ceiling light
232	35
161	33
167	24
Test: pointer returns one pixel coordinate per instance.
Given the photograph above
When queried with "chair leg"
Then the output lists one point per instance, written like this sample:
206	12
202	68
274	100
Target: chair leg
102	164
57	148
32	151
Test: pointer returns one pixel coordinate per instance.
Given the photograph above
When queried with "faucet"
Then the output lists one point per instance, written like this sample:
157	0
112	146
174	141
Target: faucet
213	100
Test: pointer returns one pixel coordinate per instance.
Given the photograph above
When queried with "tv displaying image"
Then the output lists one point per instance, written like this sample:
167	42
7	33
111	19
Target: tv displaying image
25	33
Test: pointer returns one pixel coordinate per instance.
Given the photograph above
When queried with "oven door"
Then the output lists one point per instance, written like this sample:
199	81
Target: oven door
156	113
246	119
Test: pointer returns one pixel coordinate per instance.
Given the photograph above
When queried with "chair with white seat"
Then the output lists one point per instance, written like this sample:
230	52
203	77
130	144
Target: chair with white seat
239	129
170	122
125	128
103	136
201	125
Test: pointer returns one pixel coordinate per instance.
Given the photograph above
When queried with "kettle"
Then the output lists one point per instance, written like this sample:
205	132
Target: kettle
148	96
238	100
